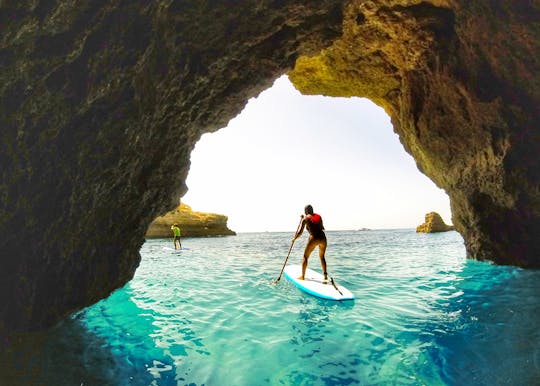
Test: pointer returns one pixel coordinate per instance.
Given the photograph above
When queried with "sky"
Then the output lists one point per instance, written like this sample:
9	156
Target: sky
286	150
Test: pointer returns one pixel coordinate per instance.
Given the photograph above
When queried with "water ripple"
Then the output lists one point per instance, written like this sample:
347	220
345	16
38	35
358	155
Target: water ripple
213	315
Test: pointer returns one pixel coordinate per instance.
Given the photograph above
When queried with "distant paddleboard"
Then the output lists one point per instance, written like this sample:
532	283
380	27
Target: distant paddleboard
175	250
314	285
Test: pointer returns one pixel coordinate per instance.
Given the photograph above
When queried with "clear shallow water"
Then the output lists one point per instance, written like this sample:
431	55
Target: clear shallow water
212	315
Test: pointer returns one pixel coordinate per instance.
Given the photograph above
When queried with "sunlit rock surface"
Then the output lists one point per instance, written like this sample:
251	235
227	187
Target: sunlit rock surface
192	224
460	81
433	223
101	104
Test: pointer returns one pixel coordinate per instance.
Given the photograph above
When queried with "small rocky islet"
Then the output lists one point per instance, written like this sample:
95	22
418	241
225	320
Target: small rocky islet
191	223
434	223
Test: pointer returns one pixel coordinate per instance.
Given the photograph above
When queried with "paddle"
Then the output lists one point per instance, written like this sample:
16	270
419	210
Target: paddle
290	249
335	286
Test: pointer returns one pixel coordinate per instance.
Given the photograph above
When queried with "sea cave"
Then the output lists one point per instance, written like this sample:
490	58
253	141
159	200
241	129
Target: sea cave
100	100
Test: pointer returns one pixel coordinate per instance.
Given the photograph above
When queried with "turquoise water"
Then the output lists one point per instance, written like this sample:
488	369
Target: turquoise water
212	315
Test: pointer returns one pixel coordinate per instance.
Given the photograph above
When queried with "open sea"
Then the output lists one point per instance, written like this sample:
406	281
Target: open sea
212	315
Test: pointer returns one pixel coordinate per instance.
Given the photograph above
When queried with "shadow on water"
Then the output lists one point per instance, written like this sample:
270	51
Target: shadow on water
93	348
315	346
488	334
68	354
311	327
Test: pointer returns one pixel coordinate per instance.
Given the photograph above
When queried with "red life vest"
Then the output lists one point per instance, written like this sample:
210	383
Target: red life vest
315	218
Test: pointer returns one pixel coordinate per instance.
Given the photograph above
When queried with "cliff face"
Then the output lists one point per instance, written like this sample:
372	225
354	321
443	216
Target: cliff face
433	223
460	82
101	103
192	224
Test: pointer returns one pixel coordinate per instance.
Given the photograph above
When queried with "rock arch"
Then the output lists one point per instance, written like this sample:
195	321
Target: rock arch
102	102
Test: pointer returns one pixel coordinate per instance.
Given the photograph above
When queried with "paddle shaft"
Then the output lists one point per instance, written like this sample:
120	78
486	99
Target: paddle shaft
335	286
290	249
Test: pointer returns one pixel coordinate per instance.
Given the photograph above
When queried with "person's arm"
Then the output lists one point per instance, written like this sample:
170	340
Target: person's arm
299	233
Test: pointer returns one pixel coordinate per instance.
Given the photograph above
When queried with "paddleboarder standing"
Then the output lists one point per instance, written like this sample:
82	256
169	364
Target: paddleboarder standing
314	224
176	232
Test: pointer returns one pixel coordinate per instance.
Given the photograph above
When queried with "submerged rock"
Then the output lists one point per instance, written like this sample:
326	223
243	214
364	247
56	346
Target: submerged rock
192	224
434	223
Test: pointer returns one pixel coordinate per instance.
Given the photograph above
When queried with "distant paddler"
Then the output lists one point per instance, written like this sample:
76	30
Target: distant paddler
176	233
314	224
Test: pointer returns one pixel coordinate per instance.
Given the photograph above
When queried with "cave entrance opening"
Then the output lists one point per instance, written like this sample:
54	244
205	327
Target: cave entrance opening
286	150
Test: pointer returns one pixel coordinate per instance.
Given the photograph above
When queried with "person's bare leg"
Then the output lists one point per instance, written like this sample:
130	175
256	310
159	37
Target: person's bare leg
304	266
322	251
309	248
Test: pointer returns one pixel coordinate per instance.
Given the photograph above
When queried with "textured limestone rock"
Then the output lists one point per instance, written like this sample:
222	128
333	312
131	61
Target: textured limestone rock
460	81
101	103
192	224
433	223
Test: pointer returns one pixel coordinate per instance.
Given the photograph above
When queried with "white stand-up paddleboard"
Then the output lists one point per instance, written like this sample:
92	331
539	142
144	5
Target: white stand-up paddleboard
175	250
314	285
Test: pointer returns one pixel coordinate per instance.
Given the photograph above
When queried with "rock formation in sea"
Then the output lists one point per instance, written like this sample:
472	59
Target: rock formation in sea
433	224
102	102
192	224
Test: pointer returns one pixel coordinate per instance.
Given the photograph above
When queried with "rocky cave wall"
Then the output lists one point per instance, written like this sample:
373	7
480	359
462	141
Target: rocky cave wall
101	103
460	81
